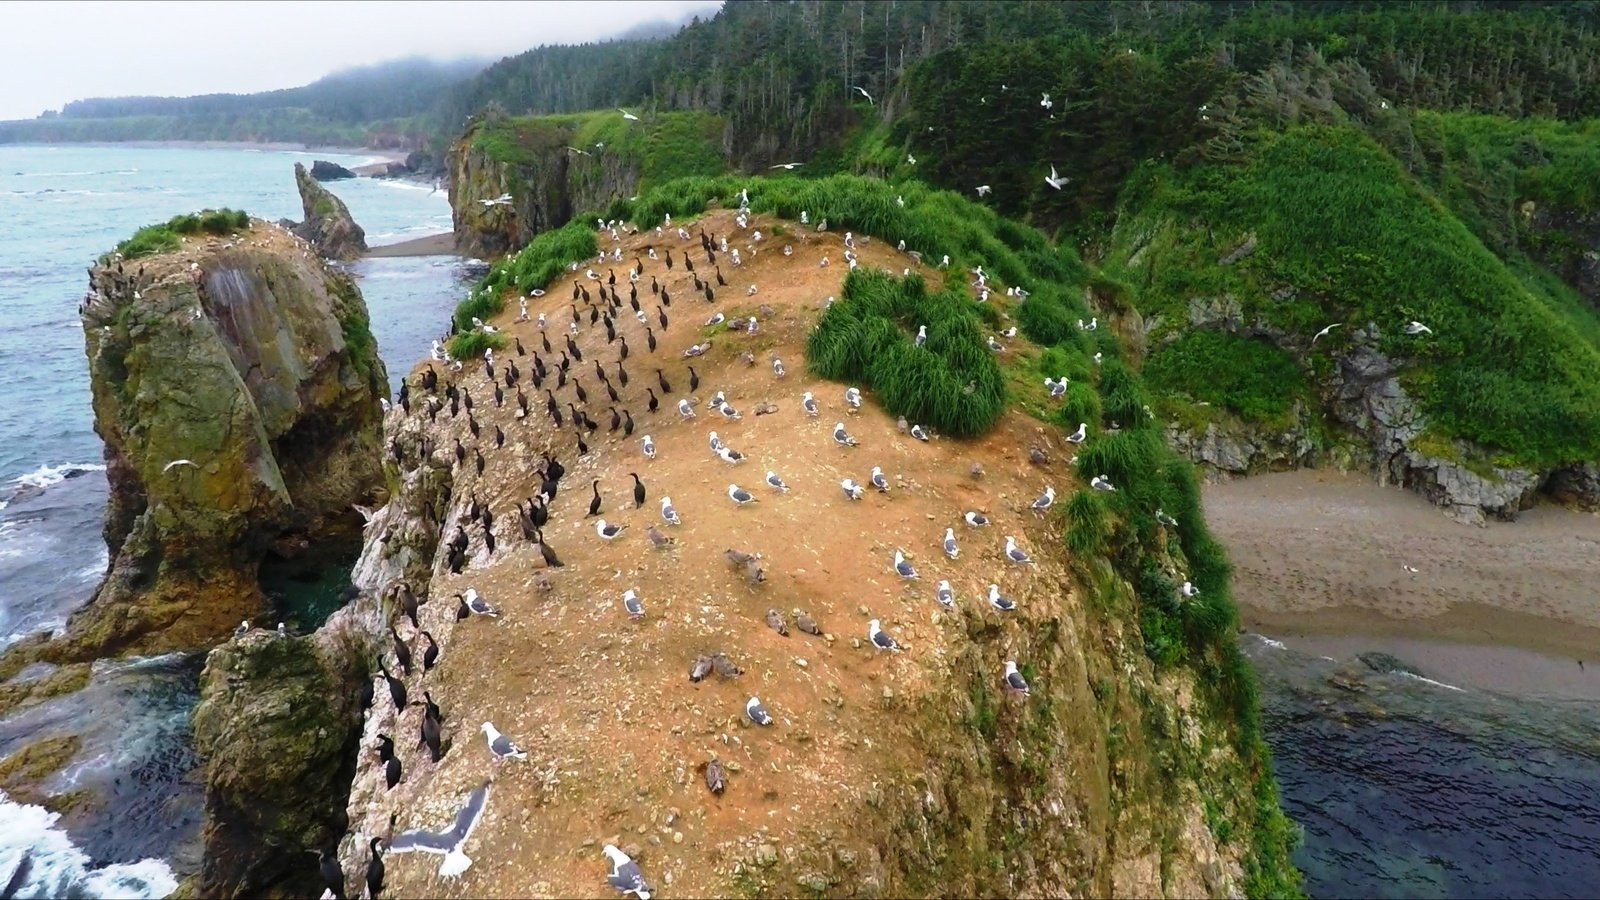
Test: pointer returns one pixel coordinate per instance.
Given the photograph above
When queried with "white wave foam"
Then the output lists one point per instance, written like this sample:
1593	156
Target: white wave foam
58	868
1449	687
405	184
1276	645
45	476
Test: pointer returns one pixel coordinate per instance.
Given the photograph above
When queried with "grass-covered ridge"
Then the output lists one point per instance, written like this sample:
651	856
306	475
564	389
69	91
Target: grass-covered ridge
532	268
663	145
951	383
166	236
1343	234
871	329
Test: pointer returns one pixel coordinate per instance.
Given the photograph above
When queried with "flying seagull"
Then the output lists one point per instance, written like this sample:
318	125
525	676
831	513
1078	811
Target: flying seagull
983	189
447	843
1324	332
627	115
1418	328
858	89
786	166
1014	680
501	746
1054	180
625	875
177	462
1014	553
880	638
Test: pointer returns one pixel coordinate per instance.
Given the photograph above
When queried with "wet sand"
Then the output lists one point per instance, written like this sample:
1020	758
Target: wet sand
1320	562
432	245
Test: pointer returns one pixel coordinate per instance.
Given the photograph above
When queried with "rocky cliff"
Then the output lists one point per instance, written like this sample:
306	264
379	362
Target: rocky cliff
327	225
513	178
235	385
885	774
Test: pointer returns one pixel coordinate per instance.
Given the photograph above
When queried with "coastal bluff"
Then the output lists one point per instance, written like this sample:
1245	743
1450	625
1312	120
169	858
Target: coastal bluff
235	384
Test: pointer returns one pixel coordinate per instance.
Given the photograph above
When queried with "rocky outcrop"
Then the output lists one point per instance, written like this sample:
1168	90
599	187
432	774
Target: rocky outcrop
1234	448
235	384
497	204
322	170
1569	243
277	725
328	225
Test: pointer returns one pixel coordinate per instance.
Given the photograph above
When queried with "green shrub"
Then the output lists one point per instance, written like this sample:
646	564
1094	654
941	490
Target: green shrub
532	268
1246	376
951	383
469	345
1080	404
1088	524
166	236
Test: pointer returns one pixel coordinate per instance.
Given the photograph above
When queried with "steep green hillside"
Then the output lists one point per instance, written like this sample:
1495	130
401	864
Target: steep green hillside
661	146
1322	226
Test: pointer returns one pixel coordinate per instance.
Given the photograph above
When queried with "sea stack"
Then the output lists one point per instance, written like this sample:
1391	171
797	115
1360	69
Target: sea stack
328	225
235	384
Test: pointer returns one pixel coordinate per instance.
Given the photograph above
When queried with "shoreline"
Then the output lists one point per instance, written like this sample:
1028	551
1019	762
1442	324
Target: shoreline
430	245
1323	561
283	146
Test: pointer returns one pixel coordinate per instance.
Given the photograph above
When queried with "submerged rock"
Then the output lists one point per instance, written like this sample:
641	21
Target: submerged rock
328	225
235	384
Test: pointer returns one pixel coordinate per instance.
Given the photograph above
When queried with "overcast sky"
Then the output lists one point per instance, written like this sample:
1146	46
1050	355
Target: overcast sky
52	53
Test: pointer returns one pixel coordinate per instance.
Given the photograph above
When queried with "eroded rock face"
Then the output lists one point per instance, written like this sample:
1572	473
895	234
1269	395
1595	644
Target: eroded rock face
545	190
235	385
277	723
328	225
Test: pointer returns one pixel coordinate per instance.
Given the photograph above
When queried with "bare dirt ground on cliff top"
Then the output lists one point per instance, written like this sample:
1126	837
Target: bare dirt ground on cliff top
615	731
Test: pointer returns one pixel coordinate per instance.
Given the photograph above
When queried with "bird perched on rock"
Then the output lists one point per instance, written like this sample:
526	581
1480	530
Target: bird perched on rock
501	746
880	639
999	601
945	595
1014	680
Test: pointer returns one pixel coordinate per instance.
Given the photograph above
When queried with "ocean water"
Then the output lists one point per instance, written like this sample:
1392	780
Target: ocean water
133	828
1408	786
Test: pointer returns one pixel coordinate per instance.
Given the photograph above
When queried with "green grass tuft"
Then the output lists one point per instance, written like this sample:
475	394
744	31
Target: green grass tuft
1246	376
469	345
163	237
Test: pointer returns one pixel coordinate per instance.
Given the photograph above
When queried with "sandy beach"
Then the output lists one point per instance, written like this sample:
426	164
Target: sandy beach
432	245
1321	560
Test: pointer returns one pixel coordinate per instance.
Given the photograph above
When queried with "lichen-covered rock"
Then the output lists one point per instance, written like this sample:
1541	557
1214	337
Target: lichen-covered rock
277	725
235	385
328	225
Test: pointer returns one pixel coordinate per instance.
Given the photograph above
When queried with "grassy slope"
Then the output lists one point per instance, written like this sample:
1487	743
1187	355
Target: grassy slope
664	145
1116	532
1339	221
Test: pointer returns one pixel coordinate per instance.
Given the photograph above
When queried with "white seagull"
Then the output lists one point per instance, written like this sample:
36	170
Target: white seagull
922	335
757	713
177	462
1188	589
685	409
880	638
975	519
1078	437
609	532
1044	500
1000	601
878	481
809	404
851	489
739	495
776	483
842	437
501	746
627	115
1101	483
1418	328
714	441
777	367
903	568
862	91
1055	180
1014	680
632	603
950	548
983	189
730	455
625	875
447	843
852	397
477	604
945	595
1014	553
649	447
1046	102
1163	518
918	433
1324	332
668	514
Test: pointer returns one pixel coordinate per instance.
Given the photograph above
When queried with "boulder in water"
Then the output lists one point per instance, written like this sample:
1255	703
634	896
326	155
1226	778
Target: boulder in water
322	170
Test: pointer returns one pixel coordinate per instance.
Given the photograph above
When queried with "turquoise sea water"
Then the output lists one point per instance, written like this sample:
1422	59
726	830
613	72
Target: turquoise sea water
59	209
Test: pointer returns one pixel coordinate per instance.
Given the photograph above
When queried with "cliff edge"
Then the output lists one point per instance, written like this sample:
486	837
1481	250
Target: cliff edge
328	225
235	384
